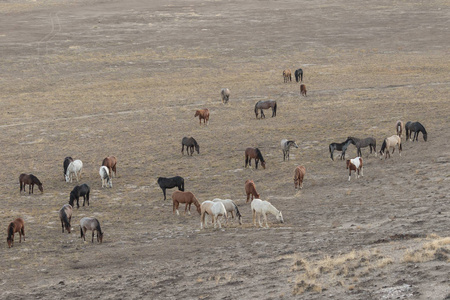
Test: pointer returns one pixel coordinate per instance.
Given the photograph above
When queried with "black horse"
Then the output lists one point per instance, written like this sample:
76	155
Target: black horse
168	183
80	190
190	144
339	147
298	75
66	164
362	143
415	127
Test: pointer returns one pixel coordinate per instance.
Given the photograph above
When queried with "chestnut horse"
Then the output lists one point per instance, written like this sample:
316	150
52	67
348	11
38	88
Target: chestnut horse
256	154
355	164
250	189
303	89
389	143
287	75
65	215
110	162
399	128
31	180
184	197
202	114
18	225
300	172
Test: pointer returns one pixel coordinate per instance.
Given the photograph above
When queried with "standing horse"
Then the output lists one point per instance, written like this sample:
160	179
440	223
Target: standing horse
190	143
298	75
110	162
184	197
260	207
362	143
80	190
356	165
168	183
225	93
287	75
339	147
250	189
74	167
256	154
31	180
303	90
285	146
202	114
65	215
389	143
215	210
66	163
266	104
92	224
231	208
104	175
415	127
399	128
299	174
18	225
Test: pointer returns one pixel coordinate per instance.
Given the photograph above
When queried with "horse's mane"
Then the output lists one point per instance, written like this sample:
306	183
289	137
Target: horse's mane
421	128
195	142
11	229
259	155
98	228
35	179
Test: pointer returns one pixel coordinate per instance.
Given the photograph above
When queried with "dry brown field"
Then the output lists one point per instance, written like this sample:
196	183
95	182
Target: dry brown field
92	78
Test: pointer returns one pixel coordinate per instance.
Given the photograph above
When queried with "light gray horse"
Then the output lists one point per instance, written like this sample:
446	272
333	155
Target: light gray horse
92	224
225	93
285	146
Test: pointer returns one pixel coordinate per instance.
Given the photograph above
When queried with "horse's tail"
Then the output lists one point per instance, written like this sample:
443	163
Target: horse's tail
383	146
296	76
182	185
81	231
256	109
64	218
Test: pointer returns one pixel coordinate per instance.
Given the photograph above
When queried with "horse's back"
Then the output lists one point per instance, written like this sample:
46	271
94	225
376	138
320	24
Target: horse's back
90	223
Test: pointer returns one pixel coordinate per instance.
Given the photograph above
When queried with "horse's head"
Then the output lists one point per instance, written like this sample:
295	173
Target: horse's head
424	136
280	217
197	113
10	241
72	199
263	164
67	177
99	237
347	163
41	188
197	148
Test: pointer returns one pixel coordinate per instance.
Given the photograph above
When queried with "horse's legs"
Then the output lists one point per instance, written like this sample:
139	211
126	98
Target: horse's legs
164	192
262	114
246	161
256	163
362	171
92	236
265	219
186	207
254	217
182	149
349	173
30	188
78	202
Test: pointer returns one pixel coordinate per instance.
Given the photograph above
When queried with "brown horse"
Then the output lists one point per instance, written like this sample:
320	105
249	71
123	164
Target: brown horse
18	225
31	180
65	215
300	172
110	162
399	127
250	189
287	75
355	164
202	114
184	197
256	154
303	89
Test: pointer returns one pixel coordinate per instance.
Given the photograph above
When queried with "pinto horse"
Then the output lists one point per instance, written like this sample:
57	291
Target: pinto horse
415	127
287	75
266	104
215	210
298	75
190	144
339	147
250	189
65	215
80	190
260	207
92	224
225	93
362	143
399	128
285	146
66	163
256	154
18	225
104	175
231	208
202	114
110	162
303	90
31	180
389	143
168	183
355	164
299	174
184	197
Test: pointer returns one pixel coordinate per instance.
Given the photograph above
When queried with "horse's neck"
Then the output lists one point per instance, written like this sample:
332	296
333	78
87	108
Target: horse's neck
272	209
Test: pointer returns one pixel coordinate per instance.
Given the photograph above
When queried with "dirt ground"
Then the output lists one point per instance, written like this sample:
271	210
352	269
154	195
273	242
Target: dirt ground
90	78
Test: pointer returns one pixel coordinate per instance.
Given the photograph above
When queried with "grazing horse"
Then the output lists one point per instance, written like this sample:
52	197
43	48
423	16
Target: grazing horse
18	225
184	197
300	172
231	208
65	215
104	175
190	143
256	154
215	210
92	224
415	127
303	90
110	162
355	164
168	183
287	75
399	128
339	147
225	93
74	167
285	146
66	163
389	143
362	143
298	75
202	114
266	104
250	189
260	207
31	180
80	190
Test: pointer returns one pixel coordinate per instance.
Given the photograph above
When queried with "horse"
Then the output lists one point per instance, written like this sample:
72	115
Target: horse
184	197
92	224
106	179
265	104
168	183
80	190
355	164
256	154
285	146
231	208
225	93
18	225
389	143
215	210
399	128
74	167
287	75
260	207
339	147
31	180
66	163
110	162
303	90
415	127
250	189
298	75
202	114
299	174
65	215
190	143
362	143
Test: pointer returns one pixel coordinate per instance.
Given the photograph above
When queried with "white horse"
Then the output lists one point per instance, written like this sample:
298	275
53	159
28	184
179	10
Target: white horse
285	146
74	168
230	207
215	210
104	174
260	207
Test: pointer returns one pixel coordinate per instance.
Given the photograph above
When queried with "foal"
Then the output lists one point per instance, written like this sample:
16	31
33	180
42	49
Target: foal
18	225
250	189
303	89
355	164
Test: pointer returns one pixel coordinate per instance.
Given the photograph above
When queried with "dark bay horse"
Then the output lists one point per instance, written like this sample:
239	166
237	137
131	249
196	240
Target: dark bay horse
298	75
171	182
190	144
66	163
31	180
415	127
65	215
339	147
80	190
362	143
184	197
266	104
18	225
110	162
256	154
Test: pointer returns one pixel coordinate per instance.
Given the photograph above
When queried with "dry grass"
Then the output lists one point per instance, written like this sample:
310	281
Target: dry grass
434	248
